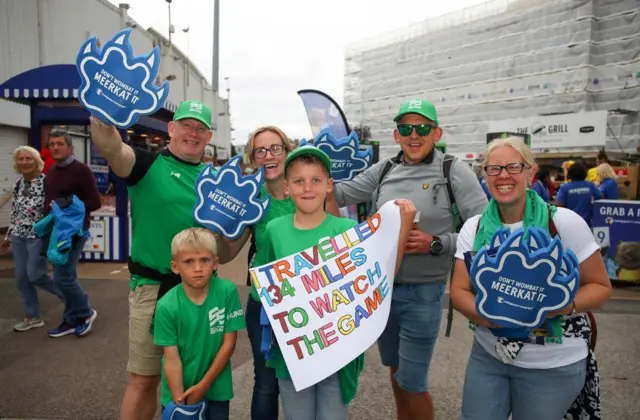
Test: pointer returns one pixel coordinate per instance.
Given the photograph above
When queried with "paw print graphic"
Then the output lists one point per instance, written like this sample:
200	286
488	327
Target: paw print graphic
227	201
347	160
118	87
523	277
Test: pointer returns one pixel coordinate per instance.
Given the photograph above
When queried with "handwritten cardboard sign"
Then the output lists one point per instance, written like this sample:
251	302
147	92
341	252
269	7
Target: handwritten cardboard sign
519	281
227	201
326	311
117	87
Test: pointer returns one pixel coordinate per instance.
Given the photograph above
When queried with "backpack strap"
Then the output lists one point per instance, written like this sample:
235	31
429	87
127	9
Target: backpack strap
16	189
446	171
553	231
385	171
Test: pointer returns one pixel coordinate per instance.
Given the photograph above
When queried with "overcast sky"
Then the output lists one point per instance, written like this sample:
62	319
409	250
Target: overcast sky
270	49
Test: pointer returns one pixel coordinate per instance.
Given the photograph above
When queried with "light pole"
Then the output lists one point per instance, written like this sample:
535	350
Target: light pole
216	46
187	67
186	31
171	29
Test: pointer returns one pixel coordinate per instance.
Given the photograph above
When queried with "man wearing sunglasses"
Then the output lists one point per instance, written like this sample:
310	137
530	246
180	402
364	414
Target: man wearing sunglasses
417	174
162	193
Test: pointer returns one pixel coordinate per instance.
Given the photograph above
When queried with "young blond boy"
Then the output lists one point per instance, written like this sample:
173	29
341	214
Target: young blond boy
308	181
196	323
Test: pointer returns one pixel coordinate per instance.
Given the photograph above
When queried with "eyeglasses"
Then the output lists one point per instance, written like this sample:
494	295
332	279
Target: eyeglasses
512	168
274	149
421	129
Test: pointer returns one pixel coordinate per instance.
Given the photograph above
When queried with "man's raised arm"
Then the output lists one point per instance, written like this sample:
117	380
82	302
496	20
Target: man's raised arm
118	154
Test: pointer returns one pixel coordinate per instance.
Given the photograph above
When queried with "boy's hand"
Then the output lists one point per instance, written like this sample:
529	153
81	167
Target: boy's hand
407	210
193	395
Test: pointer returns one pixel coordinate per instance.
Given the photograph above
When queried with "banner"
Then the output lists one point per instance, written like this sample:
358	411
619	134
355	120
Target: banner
330	303
323	112
558	131
616	228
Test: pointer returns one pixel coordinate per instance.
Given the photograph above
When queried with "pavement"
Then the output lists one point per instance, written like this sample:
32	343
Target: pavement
84	378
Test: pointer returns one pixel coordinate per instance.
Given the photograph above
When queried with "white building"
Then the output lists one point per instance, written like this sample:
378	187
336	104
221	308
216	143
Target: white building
503	60
39	43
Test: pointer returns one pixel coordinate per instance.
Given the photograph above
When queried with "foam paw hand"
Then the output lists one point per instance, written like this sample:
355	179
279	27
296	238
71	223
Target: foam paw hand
519	281
117	87
227	202
175	411
347	160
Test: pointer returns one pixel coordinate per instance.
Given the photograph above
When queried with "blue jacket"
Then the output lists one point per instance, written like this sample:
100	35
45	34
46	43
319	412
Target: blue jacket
63	223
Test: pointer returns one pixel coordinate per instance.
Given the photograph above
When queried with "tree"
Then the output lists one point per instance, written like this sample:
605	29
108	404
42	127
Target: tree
363	132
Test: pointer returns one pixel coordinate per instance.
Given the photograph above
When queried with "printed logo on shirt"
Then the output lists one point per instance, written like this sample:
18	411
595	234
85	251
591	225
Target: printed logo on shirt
235	314
176	174
216	320
580	190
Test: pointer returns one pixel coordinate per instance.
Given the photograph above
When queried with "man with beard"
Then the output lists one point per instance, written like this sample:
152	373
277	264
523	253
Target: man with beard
162	193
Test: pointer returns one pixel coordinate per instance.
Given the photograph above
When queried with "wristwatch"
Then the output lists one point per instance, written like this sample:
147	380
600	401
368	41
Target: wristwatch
436	246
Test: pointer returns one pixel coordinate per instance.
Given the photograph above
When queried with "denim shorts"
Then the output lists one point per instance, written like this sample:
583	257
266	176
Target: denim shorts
408	340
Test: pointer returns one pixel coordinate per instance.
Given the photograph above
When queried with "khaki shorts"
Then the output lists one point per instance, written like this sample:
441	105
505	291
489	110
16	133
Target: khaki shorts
145	358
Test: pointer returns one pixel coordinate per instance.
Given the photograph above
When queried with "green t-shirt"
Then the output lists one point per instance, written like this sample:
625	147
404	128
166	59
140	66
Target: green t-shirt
198	332
298	240
162	193
276	209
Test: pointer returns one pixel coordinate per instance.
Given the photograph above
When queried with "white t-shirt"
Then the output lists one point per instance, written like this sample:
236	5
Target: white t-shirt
575	235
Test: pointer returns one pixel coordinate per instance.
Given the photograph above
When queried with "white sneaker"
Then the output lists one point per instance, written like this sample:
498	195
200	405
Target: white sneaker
28	323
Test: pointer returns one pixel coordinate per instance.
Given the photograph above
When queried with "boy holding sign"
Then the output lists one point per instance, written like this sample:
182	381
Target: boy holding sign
308	181
196	323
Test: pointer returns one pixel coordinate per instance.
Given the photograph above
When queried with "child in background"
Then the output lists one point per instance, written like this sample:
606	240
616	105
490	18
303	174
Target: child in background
308	181
197	322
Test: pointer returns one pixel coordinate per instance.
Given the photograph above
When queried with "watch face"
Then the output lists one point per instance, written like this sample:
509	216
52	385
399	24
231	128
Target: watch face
436	247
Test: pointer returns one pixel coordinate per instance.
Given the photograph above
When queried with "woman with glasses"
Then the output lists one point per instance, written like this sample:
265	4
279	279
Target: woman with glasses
552	371
30	265
268	148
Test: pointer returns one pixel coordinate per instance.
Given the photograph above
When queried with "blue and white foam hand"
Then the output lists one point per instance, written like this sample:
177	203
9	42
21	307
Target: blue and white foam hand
522	281
117	87
347	160
227	201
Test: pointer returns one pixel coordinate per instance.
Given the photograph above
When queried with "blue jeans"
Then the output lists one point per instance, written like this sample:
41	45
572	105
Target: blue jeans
322	401
216	410
493	390
264	403
31	271
408	340
76	302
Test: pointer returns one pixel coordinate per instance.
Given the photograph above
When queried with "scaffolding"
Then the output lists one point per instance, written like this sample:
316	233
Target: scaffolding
500	60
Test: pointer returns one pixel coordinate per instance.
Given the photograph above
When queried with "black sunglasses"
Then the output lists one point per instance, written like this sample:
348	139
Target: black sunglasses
512	168
274	149
421	129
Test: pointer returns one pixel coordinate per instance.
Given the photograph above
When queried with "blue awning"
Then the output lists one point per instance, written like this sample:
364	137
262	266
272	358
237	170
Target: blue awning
57	81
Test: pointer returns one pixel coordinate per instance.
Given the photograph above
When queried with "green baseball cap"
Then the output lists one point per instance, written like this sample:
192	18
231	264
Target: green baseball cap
308	150
420	107
193	110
